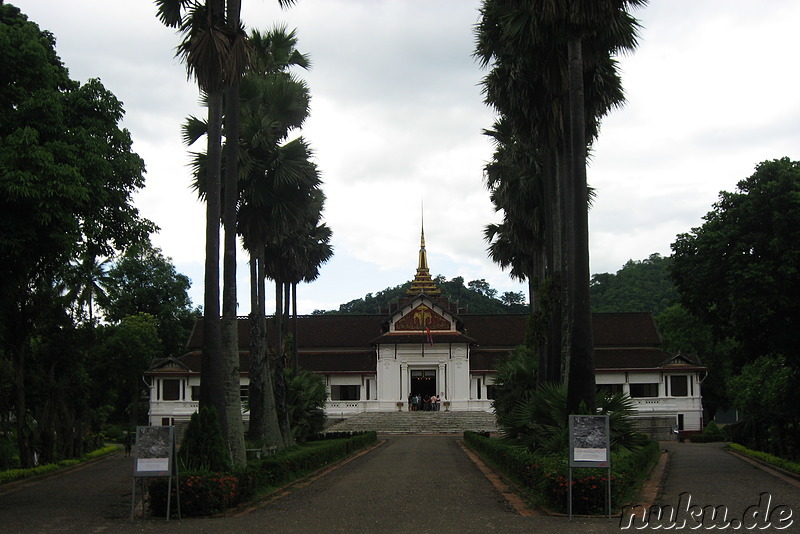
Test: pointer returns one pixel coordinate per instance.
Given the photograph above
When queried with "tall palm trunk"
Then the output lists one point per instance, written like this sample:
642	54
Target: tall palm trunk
280	365
550	356
212	391
263	417
295	363
581	385
234	433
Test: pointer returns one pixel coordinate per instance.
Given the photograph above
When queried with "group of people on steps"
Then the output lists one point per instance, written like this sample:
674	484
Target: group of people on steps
424	403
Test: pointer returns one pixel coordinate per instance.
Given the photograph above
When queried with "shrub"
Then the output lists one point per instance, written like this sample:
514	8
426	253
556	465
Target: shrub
115	433
783	463
205	493
9	457
203	447
201	494
18	474
711	434
547	476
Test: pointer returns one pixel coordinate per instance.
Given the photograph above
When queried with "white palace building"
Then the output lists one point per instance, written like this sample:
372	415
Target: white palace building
425	345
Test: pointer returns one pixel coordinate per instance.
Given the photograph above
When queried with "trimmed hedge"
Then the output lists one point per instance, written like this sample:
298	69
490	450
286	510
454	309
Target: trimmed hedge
12	475
204	493
547	477
788	465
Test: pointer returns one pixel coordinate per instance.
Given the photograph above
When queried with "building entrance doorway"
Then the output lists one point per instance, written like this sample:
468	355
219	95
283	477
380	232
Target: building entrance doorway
423	382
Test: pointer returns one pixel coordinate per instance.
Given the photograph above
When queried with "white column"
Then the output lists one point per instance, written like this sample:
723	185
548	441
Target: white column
404	382
441	381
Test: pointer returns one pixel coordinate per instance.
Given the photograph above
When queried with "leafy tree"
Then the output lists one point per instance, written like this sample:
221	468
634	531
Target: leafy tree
67	182
765	393
739	274
511	298
143	280
644	285
482	287
127	350
740	271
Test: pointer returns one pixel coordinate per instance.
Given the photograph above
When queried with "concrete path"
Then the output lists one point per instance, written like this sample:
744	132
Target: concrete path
703	474
408	484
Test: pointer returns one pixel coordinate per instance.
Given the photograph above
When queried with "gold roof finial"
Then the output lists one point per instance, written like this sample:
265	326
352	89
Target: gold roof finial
423	283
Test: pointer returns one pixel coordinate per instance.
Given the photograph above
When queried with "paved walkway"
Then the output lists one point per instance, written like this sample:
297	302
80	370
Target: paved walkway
407	484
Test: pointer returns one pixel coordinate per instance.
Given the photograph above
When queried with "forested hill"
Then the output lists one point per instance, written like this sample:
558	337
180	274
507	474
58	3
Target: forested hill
640	285
477	297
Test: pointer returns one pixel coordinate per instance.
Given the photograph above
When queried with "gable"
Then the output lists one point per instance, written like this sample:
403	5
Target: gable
421	314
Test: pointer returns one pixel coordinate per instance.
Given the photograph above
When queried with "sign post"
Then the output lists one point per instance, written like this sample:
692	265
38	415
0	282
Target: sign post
155	457
590	446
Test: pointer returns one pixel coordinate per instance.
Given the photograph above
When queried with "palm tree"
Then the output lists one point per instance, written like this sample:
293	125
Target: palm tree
215	51
88	279
541	53
273	190
204	48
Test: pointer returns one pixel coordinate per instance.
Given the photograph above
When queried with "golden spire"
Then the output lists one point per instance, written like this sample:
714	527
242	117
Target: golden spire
423	283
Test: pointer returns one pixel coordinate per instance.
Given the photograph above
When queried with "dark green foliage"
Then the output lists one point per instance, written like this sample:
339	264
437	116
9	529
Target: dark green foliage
143	280
203	447
546	476
207	493
305	401
201	494
783	463
9	457
66	194
639	286
739	274
515	380
540	420
711	433
740	271
477	297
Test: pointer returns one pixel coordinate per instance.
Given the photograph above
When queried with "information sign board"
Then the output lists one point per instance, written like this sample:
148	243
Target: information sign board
590	445
155	449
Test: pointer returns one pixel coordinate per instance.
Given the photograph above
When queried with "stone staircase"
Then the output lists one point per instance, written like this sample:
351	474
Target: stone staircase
417	422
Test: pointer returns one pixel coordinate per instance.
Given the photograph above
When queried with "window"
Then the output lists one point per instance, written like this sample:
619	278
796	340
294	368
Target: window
195	393
345	393
644	390
678	386
490	391
170	389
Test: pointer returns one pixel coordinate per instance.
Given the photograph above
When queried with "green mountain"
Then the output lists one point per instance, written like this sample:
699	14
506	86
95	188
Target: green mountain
477	297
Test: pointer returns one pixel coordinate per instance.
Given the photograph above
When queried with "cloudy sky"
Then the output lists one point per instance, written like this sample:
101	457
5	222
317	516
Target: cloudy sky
397	116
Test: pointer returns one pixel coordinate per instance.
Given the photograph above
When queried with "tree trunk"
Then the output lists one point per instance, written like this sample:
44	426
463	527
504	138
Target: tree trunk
264	425
581	386
212	390
280	377
234	433
550	355
295	363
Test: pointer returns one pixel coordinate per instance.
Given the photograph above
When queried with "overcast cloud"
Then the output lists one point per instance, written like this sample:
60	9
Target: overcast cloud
397	116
